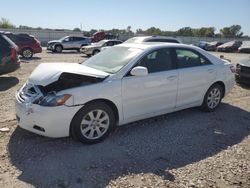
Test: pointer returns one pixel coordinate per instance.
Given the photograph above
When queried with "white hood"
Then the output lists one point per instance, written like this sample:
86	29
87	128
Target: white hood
47	73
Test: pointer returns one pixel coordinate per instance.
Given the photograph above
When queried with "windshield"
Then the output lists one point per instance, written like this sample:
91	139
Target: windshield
112	59
63	38
100	43
135	40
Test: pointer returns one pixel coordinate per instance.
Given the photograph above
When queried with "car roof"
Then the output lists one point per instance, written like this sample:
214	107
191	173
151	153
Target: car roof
147	45
141	39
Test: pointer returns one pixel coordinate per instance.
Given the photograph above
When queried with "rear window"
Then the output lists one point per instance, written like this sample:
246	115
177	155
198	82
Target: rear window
163	40
23	39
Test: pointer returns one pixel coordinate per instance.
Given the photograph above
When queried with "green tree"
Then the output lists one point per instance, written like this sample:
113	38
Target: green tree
185	31
77	29
5	23
232	31
153	31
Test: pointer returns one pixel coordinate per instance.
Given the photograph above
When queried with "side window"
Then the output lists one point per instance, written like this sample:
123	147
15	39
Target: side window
163	40
188	58
23	39
157	61
110	43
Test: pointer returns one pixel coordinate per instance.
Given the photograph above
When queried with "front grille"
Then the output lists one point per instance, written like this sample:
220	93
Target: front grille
29	94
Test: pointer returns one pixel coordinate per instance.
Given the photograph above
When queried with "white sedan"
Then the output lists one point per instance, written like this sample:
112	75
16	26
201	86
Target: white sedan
122	84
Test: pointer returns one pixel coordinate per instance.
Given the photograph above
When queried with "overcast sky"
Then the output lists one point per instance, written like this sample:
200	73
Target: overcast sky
107	14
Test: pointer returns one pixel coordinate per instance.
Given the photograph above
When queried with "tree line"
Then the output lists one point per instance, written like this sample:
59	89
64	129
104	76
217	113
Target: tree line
231	31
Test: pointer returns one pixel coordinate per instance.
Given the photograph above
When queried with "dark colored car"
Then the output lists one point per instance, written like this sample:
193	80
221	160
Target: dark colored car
203	44
243	72
9	60
212	46
101	35
27	44
229	46
245	47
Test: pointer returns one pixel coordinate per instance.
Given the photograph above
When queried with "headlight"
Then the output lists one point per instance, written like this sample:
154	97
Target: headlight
54	100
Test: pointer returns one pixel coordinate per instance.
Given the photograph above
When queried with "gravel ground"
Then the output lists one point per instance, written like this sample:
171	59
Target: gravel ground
189	148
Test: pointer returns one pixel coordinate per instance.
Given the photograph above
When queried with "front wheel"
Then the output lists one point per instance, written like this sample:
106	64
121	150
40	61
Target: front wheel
58	48
93	123
212	98
95	52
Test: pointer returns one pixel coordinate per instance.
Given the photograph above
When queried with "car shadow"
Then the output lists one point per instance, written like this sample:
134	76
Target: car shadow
6	82
25	60
154	145
64	52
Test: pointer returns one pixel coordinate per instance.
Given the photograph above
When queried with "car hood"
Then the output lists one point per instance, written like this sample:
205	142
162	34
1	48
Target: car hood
54	41
47	73
92	46
245	63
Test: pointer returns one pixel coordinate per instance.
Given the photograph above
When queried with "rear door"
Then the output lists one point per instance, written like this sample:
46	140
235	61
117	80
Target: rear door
196	72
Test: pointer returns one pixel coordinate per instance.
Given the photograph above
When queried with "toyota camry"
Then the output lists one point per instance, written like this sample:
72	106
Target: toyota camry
125	83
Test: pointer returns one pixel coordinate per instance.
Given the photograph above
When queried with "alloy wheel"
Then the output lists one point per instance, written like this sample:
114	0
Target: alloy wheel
95	124
213	98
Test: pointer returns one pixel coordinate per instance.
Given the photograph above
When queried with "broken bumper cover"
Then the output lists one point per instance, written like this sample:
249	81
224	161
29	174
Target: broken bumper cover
46	121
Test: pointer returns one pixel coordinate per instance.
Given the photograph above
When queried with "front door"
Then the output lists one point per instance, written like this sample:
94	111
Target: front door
153	93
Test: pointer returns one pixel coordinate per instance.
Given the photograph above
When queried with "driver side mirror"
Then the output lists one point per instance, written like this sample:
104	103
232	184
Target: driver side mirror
139	71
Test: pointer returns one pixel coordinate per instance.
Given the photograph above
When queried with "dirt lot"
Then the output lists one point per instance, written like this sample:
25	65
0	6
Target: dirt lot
183	149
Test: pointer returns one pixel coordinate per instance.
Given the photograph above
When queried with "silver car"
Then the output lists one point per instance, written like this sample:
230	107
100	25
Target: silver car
68	43
96	47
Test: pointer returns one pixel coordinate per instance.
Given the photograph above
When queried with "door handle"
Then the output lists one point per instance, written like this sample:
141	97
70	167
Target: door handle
171	77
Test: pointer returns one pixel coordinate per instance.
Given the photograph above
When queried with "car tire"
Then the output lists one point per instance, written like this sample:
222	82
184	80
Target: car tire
95	52
27	53
93	123
58	48
212	98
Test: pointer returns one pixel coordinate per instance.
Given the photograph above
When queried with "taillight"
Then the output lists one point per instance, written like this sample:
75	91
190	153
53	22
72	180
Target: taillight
232	68
13	54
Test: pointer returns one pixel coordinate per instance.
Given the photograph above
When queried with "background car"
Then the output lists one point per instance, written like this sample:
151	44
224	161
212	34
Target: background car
243	72
68	43
202	44
9	60
229	46
95	48
101	35
152	39
122	84
212	46
245	47
27	44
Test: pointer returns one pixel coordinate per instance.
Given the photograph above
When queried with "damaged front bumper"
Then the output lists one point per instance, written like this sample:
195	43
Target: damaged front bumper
43	120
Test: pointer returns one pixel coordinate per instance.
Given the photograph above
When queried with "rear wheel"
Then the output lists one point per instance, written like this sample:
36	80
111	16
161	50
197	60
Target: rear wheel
212	98
27	53
93	123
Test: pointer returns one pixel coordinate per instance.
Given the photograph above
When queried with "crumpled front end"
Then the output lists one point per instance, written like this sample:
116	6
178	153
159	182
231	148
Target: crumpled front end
43	120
